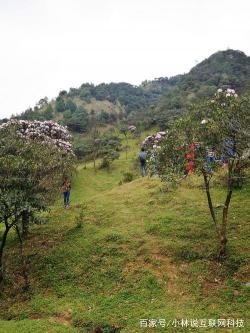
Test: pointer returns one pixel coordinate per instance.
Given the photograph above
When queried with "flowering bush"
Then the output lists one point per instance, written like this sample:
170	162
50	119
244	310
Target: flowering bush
48	132
228	93
131	128
153	141
34	157
152	145
223	97
218	130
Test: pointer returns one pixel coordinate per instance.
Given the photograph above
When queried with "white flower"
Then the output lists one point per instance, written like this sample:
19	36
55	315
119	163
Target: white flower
47	132
131	128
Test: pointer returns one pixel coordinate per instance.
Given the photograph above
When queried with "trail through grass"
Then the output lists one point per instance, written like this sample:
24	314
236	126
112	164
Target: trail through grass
140	252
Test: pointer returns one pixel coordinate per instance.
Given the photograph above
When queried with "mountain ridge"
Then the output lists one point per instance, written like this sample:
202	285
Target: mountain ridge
152	102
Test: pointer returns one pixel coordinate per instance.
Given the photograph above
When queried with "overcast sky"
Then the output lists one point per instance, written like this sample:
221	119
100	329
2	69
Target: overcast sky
50	45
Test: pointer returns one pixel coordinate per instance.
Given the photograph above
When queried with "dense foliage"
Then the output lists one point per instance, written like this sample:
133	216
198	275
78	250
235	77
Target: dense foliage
131	97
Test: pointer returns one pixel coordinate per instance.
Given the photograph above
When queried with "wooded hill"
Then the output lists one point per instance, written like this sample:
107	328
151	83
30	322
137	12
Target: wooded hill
152	103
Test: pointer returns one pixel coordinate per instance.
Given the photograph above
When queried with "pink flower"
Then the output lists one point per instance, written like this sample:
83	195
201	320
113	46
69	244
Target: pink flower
158	136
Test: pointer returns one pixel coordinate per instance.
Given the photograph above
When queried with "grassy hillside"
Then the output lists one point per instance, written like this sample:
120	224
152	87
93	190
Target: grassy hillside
122	253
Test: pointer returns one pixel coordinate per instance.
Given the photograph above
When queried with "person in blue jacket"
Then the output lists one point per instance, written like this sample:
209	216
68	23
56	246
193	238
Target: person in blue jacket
143	161
66	189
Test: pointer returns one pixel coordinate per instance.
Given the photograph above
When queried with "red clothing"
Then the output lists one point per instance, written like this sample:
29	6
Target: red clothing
190	159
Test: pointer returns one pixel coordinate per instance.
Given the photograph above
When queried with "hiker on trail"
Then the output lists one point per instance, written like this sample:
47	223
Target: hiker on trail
143	157
229	150
66	188
210	159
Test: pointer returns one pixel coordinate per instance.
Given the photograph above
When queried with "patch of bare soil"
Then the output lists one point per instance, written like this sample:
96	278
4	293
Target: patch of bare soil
63	318
160	265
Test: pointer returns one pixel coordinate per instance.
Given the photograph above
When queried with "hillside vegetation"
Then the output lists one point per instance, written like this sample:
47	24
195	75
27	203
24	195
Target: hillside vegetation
122	253
153	103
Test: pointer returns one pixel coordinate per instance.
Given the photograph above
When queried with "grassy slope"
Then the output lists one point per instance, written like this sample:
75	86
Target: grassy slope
141	252
99	106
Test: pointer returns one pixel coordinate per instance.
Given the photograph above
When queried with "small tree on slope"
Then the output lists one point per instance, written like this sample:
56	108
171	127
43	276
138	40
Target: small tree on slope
218	130
33	158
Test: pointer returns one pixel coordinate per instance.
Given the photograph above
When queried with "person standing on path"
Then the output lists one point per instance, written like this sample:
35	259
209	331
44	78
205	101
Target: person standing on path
66	188
143	161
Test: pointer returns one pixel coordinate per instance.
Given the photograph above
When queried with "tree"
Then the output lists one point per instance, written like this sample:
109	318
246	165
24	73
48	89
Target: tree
34	156
109	149
95	142
77	120
43	102
82	150
213	133
125	131
86	92
48	113
63	93
60	104
104	117
71	105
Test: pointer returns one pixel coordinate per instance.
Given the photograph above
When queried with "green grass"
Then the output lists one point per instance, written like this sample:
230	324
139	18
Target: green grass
139	252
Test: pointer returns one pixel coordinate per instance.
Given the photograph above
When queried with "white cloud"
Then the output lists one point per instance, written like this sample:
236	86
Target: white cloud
49	45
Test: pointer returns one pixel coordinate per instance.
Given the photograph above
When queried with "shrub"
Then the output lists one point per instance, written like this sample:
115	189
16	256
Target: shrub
127	177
